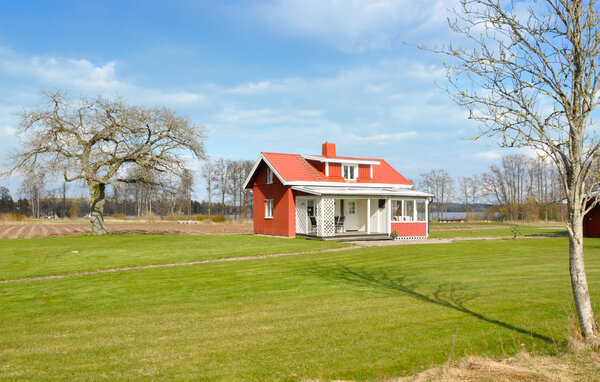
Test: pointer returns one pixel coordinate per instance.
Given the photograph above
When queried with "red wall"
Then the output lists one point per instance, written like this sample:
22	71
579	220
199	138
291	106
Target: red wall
320	166
591	223
283	222
364	171
410	229
335	169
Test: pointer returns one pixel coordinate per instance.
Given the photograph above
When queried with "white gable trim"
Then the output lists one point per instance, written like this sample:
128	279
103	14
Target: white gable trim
255	167
352	184
340	160
366	192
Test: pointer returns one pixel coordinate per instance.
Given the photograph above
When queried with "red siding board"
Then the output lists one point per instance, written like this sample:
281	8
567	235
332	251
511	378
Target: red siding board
335	170
283	222
364	172
410	229
591	223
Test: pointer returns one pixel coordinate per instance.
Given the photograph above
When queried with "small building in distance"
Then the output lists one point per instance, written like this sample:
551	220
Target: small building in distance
591	222
331	196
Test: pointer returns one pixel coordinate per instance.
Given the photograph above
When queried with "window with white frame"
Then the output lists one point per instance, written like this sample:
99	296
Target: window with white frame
269	175
404	210
350	171
268	208
421	210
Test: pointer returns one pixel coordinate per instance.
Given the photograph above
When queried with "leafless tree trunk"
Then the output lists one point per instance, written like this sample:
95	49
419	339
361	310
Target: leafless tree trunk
469	187
63	207
221	170
208	174
33	186
97	208
531	78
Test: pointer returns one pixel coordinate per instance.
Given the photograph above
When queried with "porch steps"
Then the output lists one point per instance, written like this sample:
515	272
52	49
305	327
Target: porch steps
310	169
346	237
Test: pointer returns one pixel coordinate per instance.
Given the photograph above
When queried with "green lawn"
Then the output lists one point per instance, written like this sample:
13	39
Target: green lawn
452	230
359	314
50	256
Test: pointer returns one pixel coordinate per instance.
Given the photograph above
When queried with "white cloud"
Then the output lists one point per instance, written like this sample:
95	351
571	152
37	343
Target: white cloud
8	131
82	77
61	72
251	88
488	155
355	25
386	138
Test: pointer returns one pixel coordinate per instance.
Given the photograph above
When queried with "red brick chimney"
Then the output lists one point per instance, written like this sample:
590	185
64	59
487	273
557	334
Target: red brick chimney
329	150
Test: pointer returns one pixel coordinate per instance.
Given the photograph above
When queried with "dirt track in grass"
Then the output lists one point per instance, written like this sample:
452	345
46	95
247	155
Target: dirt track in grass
29	230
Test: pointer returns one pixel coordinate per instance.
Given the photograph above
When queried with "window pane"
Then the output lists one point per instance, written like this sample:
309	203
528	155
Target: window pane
421	210
410	208
268	208
351	207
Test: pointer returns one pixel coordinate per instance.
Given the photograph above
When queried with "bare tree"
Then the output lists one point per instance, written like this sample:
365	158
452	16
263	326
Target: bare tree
97	140
185	190
233	182
221	167
531	78
469	188
246	195
507	183
33	186
6	201
439	183
209	176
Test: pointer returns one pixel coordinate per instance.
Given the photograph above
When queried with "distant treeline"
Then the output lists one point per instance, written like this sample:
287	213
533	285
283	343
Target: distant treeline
154	196
518	188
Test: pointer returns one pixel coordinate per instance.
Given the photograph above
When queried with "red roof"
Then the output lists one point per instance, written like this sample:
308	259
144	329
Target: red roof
294	168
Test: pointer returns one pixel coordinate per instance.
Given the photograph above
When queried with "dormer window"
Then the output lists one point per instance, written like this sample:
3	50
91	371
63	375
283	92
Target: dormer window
350	171
269	175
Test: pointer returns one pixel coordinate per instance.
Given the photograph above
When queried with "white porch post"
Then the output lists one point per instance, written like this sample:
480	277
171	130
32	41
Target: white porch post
427	215
320	218
415	210
368	216
388	214
378	217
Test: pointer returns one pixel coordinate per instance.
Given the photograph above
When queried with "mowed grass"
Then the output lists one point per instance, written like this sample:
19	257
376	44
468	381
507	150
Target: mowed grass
453	230
22	258
361	314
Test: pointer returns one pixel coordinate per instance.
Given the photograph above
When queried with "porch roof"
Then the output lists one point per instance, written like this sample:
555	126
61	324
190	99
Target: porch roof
361	191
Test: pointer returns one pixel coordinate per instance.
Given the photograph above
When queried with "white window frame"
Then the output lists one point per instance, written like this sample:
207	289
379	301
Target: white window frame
268	208
269	175
351	207
354	172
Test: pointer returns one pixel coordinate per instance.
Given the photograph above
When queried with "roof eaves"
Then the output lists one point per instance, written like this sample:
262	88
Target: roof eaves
255	167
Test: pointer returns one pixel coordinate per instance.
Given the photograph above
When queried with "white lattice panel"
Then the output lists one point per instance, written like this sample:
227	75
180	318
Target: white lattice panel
301	216
326	217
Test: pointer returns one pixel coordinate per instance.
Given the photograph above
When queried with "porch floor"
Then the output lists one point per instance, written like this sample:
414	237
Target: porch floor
349	236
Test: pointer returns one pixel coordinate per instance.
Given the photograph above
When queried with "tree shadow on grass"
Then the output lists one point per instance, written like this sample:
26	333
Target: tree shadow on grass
449	295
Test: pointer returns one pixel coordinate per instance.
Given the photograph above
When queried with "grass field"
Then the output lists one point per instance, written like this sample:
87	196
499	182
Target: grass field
453	230
358	314
51	256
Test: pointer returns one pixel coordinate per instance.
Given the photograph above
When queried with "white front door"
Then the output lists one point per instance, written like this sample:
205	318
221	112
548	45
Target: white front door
351	214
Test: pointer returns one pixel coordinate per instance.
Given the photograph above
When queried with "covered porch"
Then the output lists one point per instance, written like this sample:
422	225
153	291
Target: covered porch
361	213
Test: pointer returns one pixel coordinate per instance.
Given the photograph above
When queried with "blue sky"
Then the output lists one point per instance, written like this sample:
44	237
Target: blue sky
260	75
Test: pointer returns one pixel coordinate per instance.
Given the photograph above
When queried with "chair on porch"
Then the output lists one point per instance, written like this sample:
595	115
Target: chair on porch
339	224
313	224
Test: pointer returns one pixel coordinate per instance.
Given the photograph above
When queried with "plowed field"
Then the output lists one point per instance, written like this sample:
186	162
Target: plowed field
48	229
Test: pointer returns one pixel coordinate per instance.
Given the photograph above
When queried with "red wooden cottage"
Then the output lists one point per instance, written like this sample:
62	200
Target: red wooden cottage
330	196
591	222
